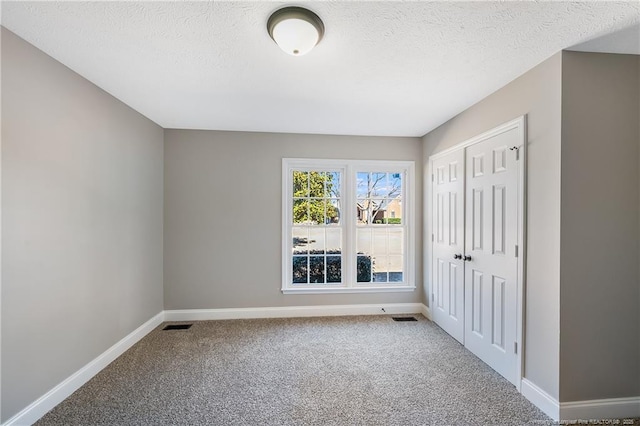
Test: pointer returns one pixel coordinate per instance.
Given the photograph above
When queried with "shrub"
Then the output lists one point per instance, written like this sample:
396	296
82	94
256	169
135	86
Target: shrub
334	266
363	268
390	221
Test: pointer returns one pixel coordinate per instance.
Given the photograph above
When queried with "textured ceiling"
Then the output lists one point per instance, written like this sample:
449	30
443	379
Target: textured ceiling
383	68
625	41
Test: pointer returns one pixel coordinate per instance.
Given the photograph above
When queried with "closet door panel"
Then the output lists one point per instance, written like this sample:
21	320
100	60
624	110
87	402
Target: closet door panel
447	280
491	229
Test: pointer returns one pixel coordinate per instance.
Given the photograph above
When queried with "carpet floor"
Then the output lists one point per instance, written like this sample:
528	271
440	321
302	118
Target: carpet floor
365	370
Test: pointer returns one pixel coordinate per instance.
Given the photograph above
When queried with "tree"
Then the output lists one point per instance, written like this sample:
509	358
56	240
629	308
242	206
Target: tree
375	190
313	193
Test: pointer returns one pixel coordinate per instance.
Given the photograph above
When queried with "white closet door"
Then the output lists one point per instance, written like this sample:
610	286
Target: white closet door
491	266
448	244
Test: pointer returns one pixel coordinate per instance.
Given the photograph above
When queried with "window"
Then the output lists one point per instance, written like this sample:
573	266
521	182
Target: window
347	226
316	228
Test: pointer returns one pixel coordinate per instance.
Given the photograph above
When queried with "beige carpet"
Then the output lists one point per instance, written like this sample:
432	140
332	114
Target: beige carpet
314	371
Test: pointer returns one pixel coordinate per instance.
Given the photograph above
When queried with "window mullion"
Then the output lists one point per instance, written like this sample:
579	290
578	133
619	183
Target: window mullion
349	276
287	221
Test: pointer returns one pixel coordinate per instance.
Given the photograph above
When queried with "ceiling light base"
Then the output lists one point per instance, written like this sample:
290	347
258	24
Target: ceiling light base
295	30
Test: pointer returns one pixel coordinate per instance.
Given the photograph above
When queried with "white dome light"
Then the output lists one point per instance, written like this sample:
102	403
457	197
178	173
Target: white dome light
295	30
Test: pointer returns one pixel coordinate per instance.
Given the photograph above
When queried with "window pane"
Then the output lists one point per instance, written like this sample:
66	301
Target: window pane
380	268
393	214
363	269
395	277
363	211
300	184
396	241
395	185
363	240
316	211
299	269
300	211
316	240
300	240
333	185
380	241
380	277
316	269
334	269
362	185
395	268
378	185
378	209
333	243
316	184
333	212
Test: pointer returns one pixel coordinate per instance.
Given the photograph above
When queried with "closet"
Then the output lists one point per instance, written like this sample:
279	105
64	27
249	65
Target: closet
477	223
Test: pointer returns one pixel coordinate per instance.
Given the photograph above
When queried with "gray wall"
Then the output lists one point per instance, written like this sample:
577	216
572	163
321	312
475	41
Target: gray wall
223	214
538	94
600	291
82	222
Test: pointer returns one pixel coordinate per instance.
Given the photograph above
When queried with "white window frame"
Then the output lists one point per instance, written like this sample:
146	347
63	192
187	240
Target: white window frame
349	170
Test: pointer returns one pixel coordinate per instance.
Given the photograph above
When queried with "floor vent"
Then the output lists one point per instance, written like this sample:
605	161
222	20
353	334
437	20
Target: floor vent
178	327
404	319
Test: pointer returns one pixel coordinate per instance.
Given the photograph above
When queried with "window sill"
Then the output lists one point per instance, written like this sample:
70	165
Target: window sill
324	290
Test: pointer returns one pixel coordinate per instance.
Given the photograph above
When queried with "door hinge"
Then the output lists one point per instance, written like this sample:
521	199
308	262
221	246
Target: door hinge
433	296
432	237
516	250
515	347
433	178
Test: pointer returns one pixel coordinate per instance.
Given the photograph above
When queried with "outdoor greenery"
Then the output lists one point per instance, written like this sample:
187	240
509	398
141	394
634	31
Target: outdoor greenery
312	193
363	268
390	221
314	270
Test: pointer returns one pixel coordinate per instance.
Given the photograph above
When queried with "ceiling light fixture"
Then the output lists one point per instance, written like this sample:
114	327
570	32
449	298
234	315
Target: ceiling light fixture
295	29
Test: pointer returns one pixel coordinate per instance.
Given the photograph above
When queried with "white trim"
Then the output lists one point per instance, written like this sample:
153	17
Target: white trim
426	312
355	289
427	235
521	124
0	240
614	408
505	127
545	402
293	311
46	402
597	409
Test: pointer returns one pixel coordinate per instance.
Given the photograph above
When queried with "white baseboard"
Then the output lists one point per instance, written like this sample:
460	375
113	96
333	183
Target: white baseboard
48	401
426	312
45	403
615	408
545	402
292	311
599	409
580	410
